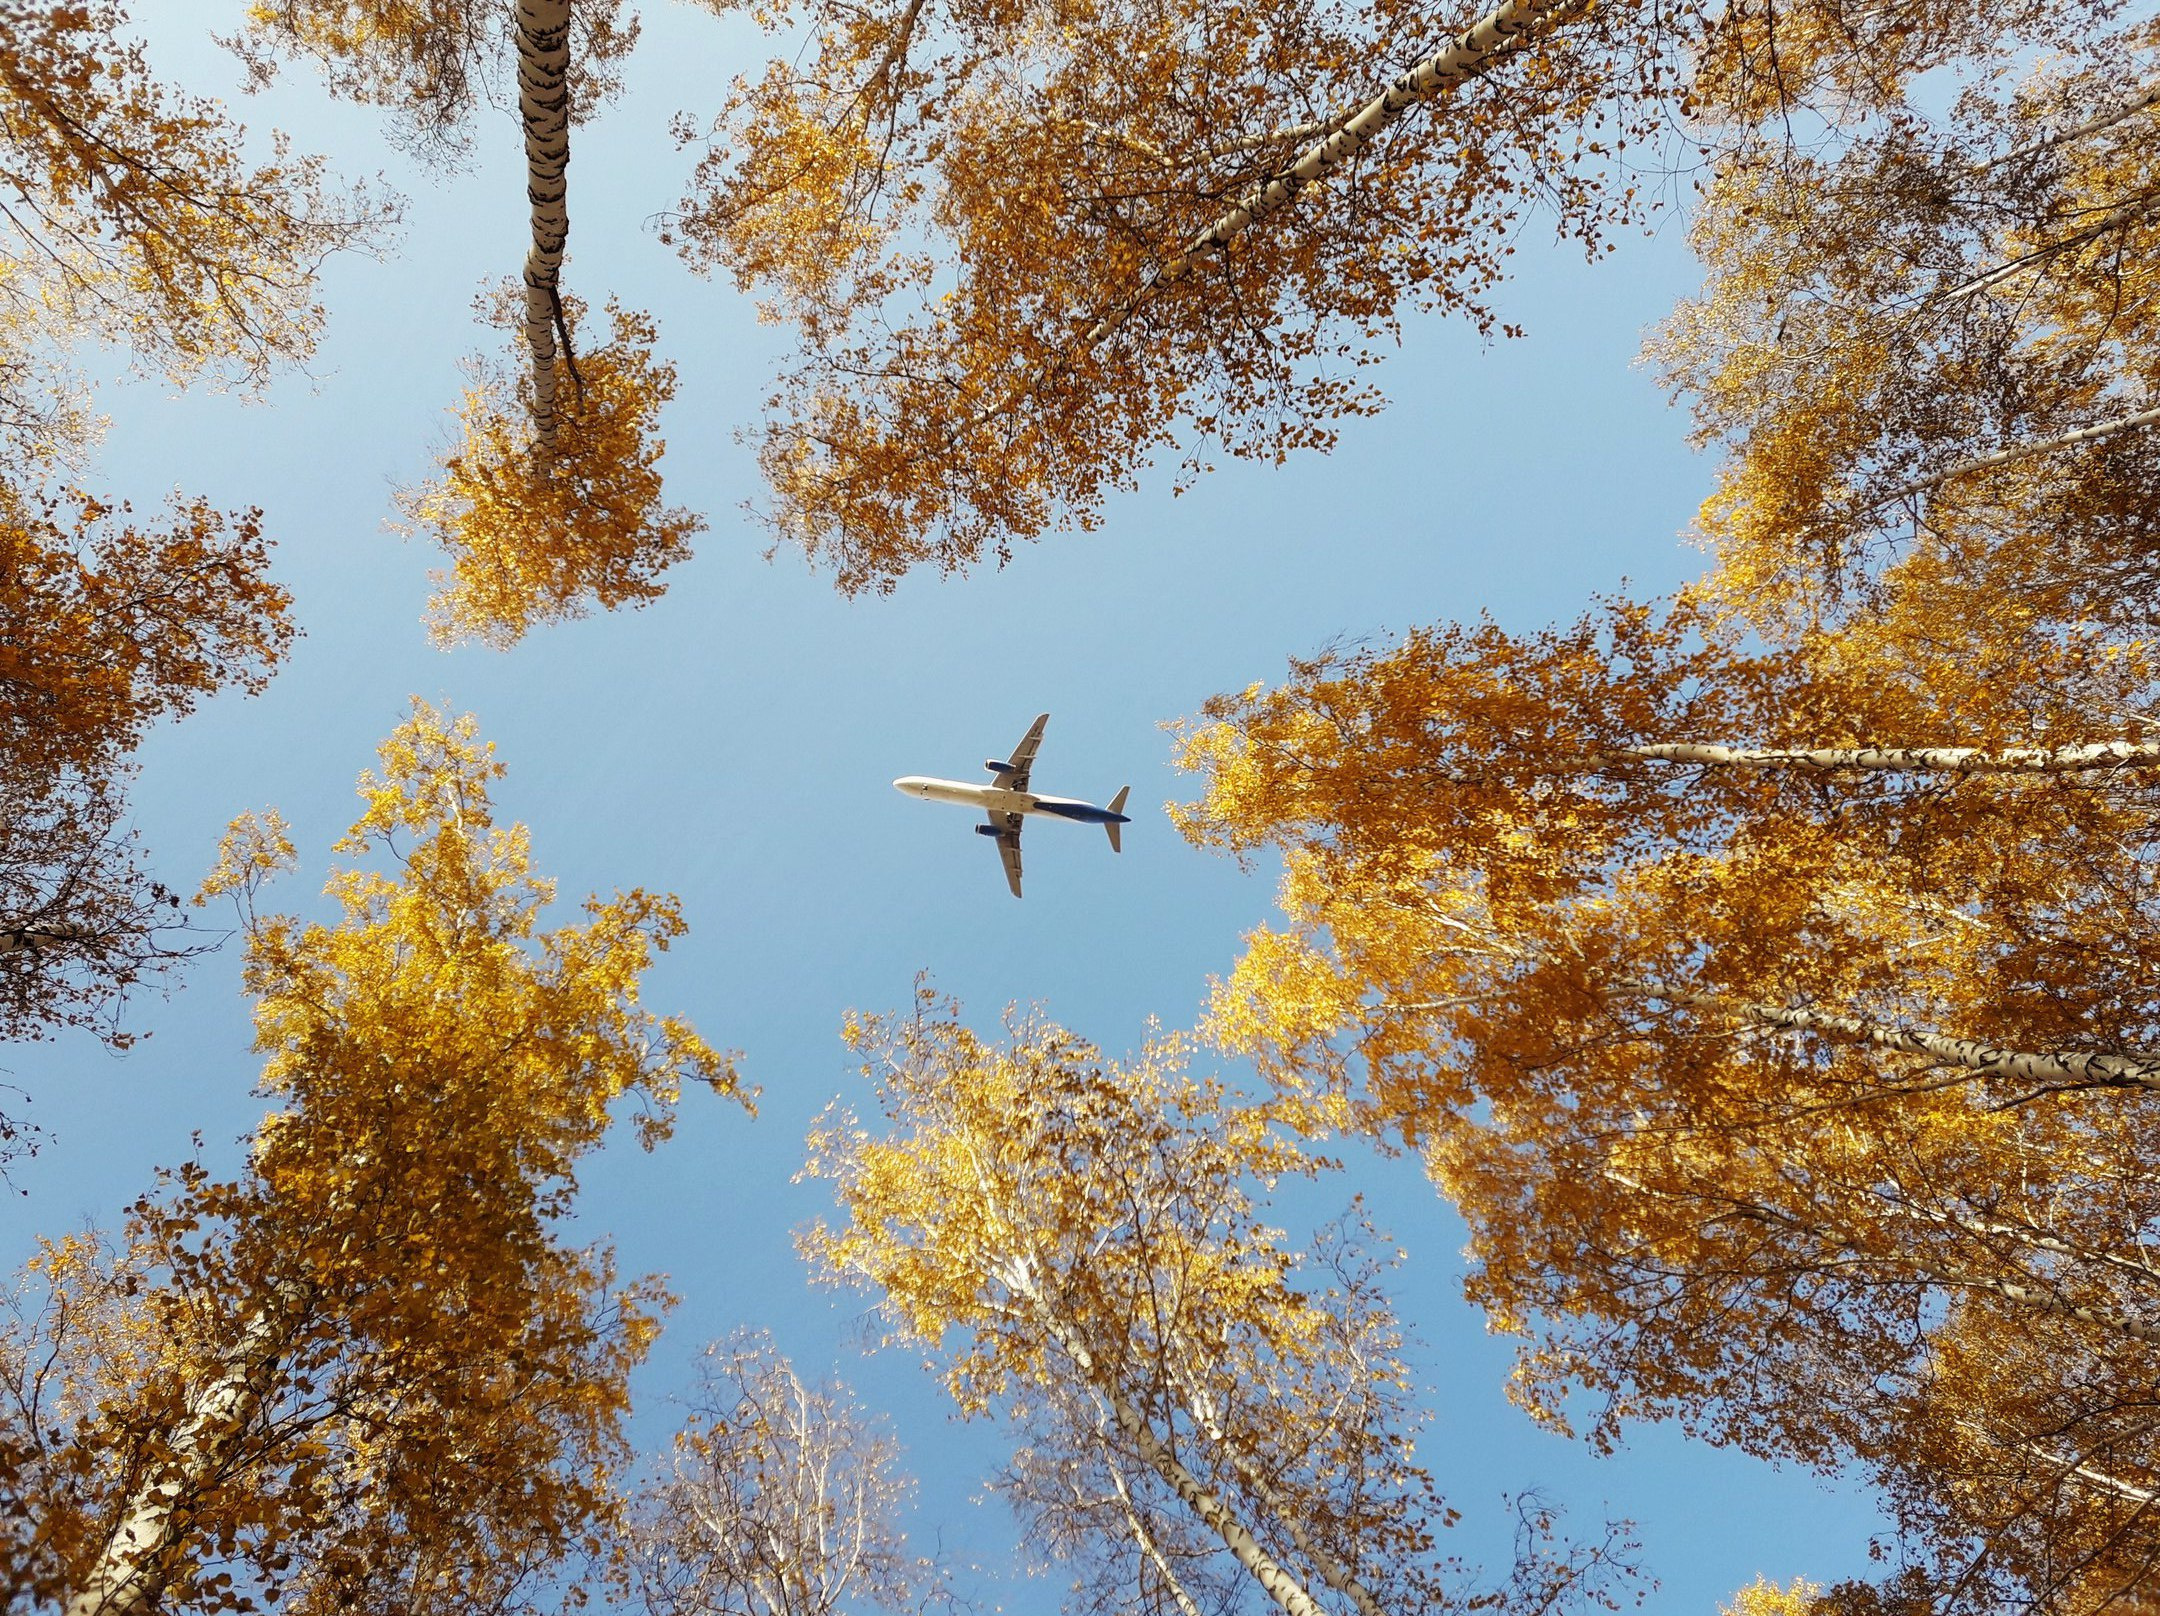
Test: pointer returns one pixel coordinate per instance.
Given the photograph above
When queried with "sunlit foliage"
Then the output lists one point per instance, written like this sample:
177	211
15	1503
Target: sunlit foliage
106	626
537	538
132	213
366	1373
1077	1241
1790	1074
1026	250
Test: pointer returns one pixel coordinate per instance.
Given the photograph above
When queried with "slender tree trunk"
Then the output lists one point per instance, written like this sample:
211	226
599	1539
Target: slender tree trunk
2114	219
1185	1603
1289	1596
2092	126
1332	1571
1899	759
2019	1235
1494	36
543	46
2012	455
129	1576
28	939
1985	1060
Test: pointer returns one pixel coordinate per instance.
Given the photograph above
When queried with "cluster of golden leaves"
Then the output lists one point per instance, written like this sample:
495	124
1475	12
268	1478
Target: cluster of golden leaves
1772	976
1933	349
367	1374
542	537
134	214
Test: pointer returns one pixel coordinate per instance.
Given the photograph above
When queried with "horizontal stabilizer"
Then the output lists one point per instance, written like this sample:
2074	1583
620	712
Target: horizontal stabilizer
1110	826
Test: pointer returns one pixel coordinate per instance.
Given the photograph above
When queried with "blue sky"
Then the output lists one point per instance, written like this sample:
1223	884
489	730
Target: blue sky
735	744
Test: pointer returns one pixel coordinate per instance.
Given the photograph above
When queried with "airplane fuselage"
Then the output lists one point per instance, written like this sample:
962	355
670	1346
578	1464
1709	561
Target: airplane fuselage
996	800
1005	801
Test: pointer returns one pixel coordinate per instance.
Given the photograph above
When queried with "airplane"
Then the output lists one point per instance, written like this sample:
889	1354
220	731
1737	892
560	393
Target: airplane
1007	800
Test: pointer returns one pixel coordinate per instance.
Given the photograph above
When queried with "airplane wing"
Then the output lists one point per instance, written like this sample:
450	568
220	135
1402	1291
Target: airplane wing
1021	759
1008	844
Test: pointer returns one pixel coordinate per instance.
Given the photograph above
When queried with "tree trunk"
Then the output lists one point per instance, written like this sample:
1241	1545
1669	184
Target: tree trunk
128	1576
1332	1571
2017	452
1185	1603
1899	759
1278	1584
1493	37
1985	1060
543	46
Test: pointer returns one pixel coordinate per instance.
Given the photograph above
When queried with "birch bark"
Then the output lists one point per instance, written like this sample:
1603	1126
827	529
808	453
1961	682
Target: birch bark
1332	1571
127	1576
1900	759
2022	451
543	46
1969	1054
1277	1583
1184	1601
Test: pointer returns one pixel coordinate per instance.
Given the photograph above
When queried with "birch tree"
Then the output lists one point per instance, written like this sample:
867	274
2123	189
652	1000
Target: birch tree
1083	1233
1790	1074
782	1497
1929	352
366	1372
1024	255
548	501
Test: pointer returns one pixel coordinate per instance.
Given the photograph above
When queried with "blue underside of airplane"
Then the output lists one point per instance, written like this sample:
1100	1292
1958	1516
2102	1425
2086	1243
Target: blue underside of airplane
1086	813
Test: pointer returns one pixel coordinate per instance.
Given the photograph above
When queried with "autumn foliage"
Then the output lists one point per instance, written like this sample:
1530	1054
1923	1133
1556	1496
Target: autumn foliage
1768	975
1204	1410
538	536
367	1372
106	626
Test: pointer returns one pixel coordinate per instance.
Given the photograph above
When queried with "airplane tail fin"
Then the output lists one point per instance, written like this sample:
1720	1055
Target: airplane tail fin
1117	806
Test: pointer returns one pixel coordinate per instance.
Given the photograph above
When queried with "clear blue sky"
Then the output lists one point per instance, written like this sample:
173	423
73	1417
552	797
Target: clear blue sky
735	744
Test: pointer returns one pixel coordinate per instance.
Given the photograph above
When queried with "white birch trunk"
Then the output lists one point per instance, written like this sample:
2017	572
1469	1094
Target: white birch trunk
1494	36
1332	1571
127	1577
2114	219
2092	126
1899	759
1987	1060
1489	40
1289	1596
2012	455
29	939
1185	1604
543	46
